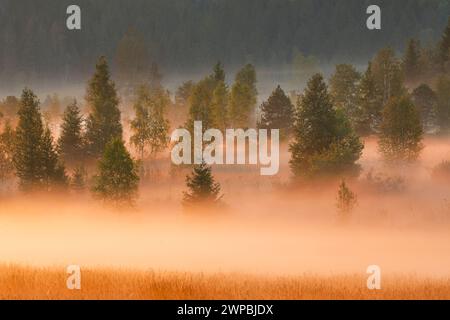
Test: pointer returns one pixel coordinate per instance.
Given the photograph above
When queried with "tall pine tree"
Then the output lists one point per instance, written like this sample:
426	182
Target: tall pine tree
103	123
71	140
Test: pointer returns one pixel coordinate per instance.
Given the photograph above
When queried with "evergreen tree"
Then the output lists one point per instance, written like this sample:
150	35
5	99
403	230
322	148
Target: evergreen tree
444	46
53	171
28	148
201	106
203	190
117	180
411	61
425	100
71	140
103	123
324	142
277	113
401	130
344	91
243	97
443	103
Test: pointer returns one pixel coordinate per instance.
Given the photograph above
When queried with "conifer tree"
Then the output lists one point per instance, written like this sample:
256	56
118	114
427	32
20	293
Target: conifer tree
28	155
53	171
71	140
370	102
6	153
425	100
78	179
117	180
103	123
219	104
401	130
219	73
277	113
324	142
443	103
203	190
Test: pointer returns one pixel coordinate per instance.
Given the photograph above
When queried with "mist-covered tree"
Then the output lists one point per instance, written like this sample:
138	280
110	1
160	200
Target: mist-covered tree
150	127
346	201
28	146
117	181
9	107
243	97
324	142
401	130
387	74
425	100
277	113
443	103
103	123
71	140
344	91
200	105
303	67
53	171
202	188
411	61
370	102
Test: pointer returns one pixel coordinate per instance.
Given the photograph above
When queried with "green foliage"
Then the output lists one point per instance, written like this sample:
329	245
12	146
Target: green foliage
103	123
71	140
387	74
401	130
35	159
201	106
117	180
6	153
346	201
184	92
78	180
203	190
277	113
219	104
150	127
219	72
243	97
324	141
444	46
370	101
344	91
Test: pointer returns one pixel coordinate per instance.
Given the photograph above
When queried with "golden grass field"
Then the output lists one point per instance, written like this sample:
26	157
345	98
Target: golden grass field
17	282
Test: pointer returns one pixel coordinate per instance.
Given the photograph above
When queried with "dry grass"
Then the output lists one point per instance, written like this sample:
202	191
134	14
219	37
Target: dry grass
18	282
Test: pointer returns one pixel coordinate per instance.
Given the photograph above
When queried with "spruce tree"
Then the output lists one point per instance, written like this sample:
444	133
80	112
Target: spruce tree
277	113
103	123
53	171
370	102
117	181
425	100
401	130
70	142
203	190
324	142
443	104
6	153
28	155
219	73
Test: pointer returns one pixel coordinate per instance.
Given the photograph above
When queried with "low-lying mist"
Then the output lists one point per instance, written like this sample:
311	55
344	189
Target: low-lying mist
401	223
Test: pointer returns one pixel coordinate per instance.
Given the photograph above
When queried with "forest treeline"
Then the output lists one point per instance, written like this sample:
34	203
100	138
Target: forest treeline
190	35
398	98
